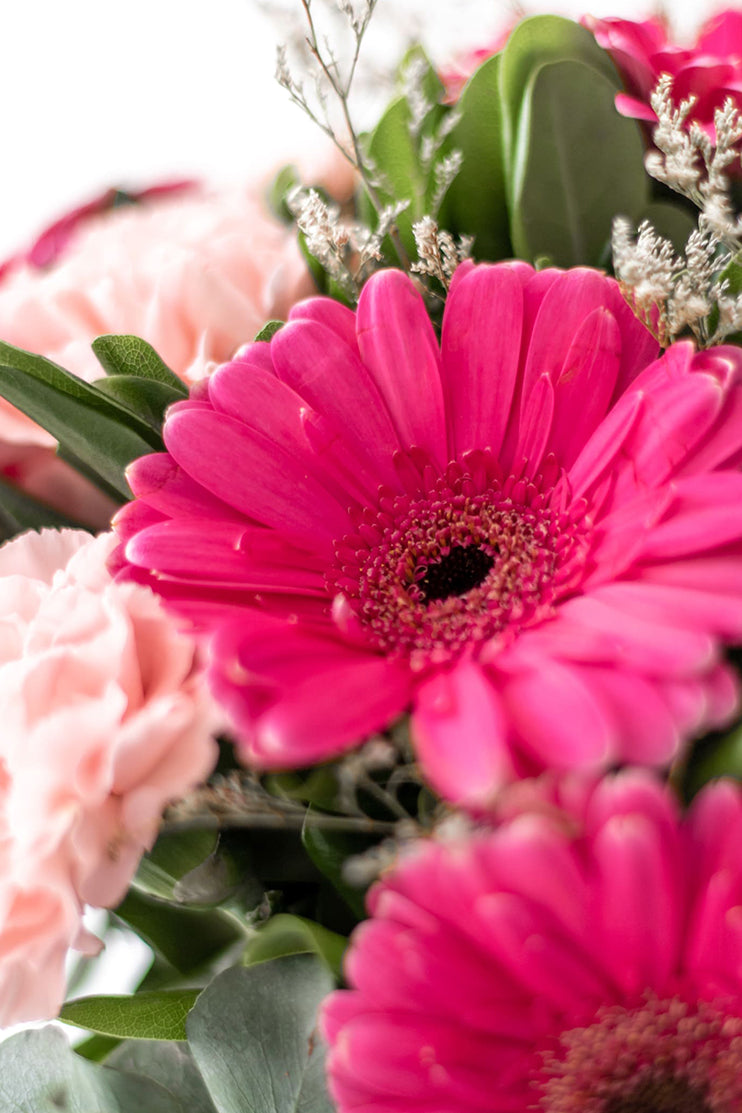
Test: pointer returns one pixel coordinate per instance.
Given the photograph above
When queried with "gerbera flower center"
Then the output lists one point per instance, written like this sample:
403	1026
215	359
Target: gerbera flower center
464	557
664	1057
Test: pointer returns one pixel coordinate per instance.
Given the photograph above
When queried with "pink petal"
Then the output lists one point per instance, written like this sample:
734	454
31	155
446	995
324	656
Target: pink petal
480	348
558	717
296	697
398	345
329	375
460	735
269	485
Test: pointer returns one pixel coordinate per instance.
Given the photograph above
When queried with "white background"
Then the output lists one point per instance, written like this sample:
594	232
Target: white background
126	92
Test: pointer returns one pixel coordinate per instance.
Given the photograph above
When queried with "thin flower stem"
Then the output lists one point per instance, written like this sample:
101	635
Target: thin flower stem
342	93
207	820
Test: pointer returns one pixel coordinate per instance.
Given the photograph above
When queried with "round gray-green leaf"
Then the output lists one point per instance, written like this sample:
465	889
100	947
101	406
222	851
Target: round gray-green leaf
253	1036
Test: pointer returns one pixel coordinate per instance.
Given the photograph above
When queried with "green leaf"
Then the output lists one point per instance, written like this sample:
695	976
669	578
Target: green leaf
719	755
670	221
19	512
475	203
147	398
253	1036
329	851
132	356
293	935
170	1065
142	1016
99	432
186	938
577	165
171	858
96	1048
396	152
286	180
534	42
269	330
40	1073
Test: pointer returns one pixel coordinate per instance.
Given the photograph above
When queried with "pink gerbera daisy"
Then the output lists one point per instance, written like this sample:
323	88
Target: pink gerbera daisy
529	535
564	963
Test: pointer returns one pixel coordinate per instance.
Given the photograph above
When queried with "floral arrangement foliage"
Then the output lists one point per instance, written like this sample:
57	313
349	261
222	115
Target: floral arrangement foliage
397	706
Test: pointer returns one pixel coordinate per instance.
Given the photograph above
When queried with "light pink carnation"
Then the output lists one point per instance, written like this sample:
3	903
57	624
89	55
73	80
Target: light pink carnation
529	534
105	719
192	272
584	962
710	70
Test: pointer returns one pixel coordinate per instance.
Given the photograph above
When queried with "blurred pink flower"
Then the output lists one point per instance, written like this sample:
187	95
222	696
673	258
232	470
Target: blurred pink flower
529	534
193	271
105	719
587	962
709	70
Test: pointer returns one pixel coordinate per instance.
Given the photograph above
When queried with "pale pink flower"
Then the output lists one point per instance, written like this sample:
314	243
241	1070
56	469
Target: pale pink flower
105	719
528	535
709	69
193	272
588	961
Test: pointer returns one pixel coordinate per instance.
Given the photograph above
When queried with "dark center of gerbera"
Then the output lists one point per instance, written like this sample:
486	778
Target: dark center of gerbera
667	1056
460	559
660	1095
463	568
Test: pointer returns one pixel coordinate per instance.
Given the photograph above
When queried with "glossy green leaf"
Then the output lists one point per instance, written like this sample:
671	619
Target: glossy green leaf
188	939
395	151
578	164
19	512
98	431
536	41
132	356
475	203
253	1036
170	1065
40	1073
329	850
172	857
147	398
140	1016
293	935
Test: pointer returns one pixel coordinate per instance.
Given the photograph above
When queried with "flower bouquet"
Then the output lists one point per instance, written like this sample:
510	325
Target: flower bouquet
370	591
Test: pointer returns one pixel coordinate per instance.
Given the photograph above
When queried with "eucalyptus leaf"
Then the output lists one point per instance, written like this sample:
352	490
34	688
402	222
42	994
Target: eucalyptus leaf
170	1065
291	935
253	1036
40	1073
132	356
157	1015
578	164
475	203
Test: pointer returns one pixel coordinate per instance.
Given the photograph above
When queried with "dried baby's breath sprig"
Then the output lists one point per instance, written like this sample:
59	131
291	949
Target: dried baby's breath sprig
239	800
438	252
348	250
332	83
673	294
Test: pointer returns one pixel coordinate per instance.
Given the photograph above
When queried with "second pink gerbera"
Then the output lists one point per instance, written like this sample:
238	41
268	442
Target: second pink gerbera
528	535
